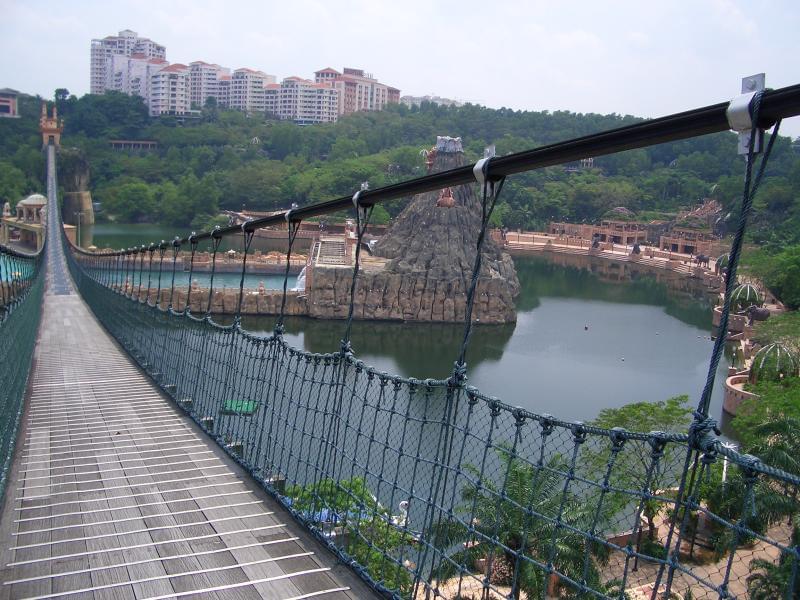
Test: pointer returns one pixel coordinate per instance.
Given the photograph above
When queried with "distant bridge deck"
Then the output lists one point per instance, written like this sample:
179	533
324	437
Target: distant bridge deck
115	494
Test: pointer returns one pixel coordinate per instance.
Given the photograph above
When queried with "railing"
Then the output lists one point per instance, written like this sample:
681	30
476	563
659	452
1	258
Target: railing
431	488
21	285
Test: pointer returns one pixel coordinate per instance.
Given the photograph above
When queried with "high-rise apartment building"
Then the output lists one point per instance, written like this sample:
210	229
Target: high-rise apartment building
204	82
126	43
303	101
132	74
357	90
247	90
169	91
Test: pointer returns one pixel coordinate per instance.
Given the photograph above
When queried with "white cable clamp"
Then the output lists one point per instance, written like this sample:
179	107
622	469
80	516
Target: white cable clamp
288	215
478	171
739	116
356	197
738	113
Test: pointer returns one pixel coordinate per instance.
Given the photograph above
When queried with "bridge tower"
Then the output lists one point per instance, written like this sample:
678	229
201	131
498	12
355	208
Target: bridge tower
51	127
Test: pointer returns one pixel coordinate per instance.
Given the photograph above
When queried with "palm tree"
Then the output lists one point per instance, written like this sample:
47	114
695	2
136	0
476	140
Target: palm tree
515	525
773	580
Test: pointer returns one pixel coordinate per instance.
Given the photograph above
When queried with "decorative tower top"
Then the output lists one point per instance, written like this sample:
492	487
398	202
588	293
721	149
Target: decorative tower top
451	145
51	127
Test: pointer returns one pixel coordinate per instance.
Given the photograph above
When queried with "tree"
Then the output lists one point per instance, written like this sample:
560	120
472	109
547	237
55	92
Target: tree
771	580
633	463
12	184
517	524
372	539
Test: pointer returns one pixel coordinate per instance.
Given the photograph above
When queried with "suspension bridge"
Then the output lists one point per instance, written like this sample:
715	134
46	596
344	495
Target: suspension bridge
153	453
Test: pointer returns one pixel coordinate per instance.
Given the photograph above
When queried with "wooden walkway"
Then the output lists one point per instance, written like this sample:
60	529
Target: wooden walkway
115	494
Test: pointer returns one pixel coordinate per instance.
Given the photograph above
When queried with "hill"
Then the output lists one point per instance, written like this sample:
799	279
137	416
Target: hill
225	160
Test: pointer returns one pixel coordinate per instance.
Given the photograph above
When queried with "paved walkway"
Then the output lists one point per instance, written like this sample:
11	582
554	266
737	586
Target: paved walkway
115	494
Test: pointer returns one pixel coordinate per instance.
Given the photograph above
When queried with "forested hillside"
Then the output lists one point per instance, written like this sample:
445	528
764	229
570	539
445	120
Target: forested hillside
227	160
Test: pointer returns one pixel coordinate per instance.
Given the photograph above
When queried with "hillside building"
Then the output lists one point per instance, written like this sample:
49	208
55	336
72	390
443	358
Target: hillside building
127	43
169	91
357	90
204	82
302	101
8	103
247	90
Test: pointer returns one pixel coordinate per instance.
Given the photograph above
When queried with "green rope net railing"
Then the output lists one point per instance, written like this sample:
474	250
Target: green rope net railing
429	488
21	288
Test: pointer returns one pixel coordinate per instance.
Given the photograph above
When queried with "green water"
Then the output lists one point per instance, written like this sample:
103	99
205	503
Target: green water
648	335
648	338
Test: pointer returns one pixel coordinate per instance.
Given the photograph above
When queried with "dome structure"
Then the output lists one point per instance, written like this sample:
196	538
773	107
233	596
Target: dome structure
33	200
773	363
745	296
723	260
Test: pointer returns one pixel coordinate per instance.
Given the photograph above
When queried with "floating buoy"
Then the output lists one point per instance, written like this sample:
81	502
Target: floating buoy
623	359
586	328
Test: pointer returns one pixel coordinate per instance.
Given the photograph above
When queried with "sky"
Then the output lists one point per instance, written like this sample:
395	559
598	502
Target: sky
639	57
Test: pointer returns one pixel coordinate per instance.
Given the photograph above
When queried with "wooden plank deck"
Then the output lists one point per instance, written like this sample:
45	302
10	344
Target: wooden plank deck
114	494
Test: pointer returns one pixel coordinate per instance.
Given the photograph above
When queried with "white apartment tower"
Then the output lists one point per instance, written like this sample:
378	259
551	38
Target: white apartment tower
204	82
169	91
132	74
304	101
247	90
126	43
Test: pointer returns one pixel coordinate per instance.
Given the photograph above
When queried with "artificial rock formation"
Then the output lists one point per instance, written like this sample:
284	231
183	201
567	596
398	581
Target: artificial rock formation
74	178
430	250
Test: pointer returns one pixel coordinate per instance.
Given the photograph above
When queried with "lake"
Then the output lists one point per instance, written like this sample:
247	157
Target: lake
590	334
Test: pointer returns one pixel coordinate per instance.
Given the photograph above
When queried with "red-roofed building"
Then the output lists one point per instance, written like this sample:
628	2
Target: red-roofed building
303	101
357	90
204	83
169	91
127	43
247	91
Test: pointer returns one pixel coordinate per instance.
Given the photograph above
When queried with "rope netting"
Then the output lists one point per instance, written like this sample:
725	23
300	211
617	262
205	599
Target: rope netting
429	488
21	288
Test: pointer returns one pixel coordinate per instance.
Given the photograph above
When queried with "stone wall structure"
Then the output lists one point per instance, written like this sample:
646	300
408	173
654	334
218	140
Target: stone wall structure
422	266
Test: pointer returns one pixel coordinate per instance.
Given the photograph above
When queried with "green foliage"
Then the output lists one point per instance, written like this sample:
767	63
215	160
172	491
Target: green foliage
783	328
632	464
521	519
267	164
770	580
370	536
769	426
780	272
665	415
12	184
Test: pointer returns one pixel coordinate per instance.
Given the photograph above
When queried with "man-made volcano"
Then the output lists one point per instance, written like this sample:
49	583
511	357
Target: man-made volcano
422	266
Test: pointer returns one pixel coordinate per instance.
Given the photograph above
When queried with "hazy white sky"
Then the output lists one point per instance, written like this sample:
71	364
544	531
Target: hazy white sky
646	58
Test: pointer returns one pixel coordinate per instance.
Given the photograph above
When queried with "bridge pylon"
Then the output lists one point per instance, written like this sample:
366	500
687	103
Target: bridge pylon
51	127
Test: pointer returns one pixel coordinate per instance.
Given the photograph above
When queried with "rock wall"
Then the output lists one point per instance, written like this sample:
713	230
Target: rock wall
266	302
408	297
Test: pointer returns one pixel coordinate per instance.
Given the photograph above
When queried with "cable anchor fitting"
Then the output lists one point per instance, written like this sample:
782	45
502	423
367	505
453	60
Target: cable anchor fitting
739	114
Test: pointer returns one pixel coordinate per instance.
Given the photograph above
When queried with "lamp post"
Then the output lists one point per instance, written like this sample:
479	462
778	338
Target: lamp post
79	214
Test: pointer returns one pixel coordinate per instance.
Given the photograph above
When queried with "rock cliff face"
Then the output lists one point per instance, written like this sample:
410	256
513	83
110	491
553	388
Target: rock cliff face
431	250
73	175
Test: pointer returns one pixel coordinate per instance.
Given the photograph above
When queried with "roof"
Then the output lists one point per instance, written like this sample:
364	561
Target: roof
176	68
33	200
157	61
9	91
272	86
327	70
773	363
